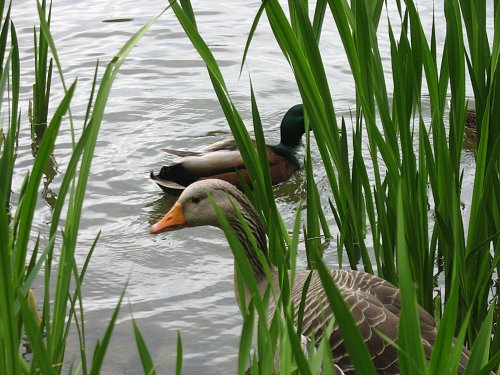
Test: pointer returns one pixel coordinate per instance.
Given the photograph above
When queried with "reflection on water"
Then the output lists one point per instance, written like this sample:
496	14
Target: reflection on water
293	191
160	207
50	171
163	98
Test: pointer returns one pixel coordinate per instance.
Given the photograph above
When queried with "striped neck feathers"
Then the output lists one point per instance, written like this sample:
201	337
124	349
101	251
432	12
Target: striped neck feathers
252	220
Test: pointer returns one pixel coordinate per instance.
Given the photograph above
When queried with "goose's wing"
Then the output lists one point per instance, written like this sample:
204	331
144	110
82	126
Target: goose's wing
389	296
375	305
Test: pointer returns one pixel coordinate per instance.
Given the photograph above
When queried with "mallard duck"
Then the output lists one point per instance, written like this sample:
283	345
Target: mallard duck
221	159
374	302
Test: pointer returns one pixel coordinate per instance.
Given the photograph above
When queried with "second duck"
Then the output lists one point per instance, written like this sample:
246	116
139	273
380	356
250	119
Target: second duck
221	159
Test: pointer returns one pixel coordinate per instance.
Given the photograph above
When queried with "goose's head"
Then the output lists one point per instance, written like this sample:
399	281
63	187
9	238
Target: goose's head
194	208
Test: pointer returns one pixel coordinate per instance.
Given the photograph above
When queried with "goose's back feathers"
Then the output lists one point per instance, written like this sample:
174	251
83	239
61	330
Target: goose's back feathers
471	125
375	305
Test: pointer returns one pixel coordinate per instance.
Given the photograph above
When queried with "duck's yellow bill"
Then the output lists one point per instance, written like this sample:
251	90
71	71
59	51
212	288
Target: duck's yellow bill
174	219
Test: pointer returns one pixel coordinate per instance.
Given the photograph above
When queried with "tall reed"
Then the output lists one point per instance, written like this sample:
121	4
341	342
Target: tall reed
39	110
408	242
22	252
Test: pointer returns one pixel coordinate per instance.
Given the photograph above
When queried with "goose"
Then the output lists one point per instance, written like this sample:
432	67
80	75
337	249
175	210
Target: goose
374	302
221	159
471	125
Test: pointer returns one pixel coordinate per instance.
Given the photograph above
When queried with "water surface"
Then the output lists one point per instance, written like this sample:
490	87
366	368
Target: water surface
181	281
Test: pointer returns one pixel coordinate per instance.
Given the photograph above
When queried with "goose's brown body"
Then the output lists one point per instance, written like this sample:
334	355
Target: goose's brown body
471	125
374	302
375	305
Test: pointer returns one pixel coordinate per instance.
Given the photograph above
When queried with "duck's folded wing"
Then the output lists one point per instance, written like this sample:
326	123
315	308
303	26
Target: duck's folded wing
180	153
212	163
227	144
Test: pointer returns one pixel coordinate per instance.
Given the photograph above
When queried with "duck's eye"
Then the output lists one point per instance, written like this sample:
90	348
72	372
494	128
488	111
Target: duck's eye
195	199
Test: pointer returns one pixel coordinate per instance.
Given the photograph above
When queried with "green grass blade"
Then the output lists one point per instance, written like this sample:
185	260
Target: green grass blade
409	327
313	241
242	263
246	340
481	348
77	297
491	365
296	345
251	34
76	200
319	16
8	337
178	363
440	362
42	357
198	42
100	350
46	148
147	362
33	272
353	341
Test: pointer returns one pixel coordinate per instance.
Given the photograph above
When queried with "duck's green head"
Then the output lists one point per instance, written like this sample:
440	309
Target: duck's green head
292	126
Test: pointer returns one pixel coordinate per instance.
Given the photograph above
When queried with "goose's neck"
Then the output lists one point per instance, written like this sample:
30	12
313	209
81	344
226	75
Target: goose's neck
259	234
256	227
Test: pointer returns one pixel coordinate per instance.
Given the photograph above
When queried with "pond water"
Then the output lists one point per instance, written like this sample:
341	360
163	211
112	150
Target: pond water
180	281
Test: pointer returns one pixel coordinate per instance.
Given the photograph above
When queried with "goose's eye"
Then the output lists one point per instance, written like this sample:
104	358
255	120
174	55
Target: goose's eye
195	199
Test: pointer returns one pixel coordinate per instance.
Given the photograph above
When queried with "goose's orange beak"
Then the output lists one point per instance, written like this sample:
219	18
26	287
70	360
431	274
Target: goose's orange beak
173	220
